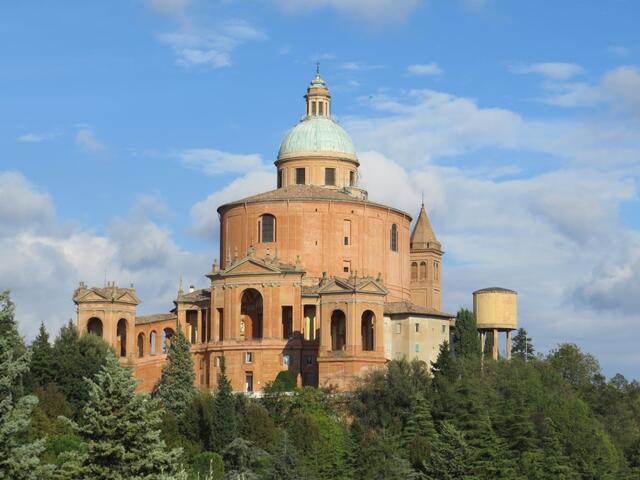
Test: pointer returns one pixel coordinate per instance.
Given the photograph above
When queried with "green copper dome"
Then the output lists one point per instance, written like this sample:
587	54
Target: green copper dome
317	134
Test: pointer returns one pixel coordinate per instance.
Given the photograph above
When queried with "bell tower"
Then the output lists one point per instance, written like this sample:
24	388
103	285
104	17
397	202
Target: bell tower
426	264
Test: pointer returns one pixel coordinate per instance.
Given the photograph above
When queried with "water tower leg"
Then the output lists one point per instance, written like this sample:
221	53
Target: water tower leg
495	343
482	340
508	344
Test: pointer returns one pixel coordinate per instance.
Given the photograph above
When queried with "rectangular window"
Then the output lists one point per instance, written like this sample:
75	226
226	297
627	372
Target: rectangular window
417	328
329	176
203	332
221	324
313	108
308	360
444	329
417	348
248	382
320	108
435	270
346	231
218	361
398	328
300	176
346	266
192	321
248	357
286	360
309	322
287	322
280	178
352	178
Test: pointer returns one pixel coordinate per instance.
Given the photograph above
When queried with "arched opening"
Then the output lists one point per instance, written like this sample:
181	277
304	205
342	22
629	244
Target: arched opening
167	334
414	271
121	332
367	329
140	345
94	325
152	342
338	330
394	238
251	313
423	270
267	228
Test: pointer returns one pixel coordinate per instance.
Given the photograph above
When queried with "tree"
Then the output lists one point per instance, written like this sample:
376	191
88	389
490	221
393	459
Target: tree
451	457
466	341
488	345
8	326
258	427
121	430
379	456
419	431
19	457
243	460
580	370
175	389
285	464
224	417
76	358
521	346
42	371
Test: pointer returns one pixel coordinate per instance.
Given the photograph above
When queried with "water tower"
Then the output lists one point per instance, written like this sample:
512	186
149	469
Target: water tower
496	310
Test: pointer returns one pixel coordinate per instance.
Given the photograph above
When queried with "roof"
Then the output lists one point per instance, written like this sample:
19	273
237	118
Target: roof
423	236
155	318
317	134
394	308
307	193
111	293
195	296
495	290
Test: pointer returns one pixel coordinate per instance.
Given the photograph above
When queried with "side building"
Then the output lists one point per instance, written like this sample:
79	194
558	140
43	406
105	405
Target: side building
313	278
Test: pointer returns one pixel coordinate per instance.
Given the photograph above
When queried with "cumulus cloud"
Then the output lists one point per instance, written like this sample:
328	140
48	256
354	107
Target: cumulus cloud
22	204
87	140
210	46
359	66
215	162
551	70
374	11
35	137
424	69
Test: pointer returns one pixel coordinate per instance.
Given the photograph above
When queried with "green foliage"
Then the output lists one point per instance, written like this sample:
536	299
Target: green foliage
419	432
257	426
121	430
450	457
76	358
581	370
522	346
224	416
207	466
8	325
175	388
19	456
378	456
488	345
196	421
466	341
42	371
243	460
285	464
285	382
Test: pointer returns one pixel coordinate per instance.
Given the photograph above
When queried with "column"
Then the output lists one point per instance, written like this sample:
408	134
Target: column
495	343
199	326
483	339
508	344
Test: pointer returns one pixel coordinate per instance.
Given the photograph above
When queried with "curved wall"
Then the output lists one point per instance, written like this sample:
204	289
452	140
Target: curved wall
315	231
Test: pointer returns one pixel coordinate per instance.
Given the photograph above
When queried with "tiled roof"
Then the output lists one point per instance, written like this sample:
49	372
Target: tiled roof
392	308
157	317
195	296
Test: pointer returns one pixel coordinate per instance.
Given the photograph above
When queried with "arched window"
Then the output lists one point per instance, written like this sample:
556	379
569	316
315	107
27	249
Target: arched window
251	313
140	345
94	325
121	331
338	330
414	271
167	333
394	238
267	228
423	270
436	269
367	329
152	342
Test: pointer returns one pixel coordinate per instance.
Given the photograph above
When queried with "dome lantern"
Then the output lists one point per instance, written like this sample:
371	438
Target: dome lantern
317	97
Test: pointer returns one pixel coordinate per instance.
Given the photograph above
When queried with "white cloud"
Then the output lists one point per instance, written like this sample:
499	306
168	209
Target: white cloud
424	69
373	11
35	137
86	140
215	162
212	46
551	70
22	205
204	214
359	67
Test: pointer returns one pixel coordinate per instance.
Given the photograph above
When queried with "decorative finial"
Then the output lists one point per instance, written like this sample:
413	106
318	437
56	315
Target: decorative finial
317	68
180	290
423	198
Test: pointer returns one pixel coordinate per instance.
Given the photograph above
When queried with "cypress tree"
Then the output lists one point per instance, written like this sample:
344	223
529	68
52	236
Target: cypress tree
42	371
18	456
8	325
224	414
451	457
466	341
175	389
521	345
121	430
285	464
419	432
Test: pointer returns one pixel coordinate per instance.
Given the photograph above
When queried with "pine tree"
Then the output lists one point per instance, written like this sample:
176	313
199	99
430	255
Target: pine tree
175	389
19	457
521	345
419	432
8	325
224	415
243	460
285	464
42	371
466	341
379	456
451	457
122	431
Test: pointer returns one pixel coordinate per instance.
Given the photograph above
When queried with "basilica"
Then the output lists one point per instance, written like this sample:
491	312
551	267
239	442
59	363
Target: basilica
313	277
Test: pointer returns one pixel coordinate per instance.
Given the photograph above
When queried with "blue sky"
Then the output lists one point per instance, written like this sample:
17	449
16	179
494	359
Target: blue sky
124	124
